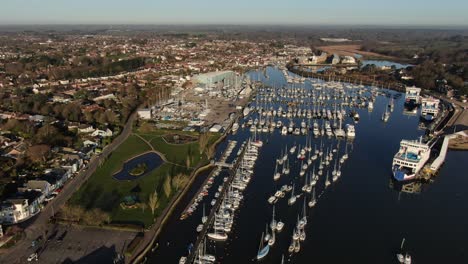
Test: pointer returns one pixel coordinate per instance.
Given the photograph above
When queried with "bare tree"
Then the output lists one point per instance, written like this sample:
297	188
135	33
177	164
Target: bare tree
167	186
203	140
179	181
153	202
210	152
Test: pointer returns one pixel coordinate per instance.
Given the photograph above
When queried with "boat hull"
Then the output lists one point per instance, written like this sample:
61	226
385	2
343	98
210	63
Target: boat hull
401	175
263	252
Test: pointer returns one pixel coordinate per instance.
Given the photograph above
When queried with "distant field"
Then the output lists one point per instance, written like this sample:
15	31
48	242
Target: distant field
103	192
351	50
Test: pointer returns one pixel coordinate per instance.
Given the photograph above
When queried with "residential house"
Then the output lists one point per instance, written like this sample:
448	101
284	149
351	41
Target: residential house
88	143
102	133
20	208
334	59
84	128
41	186
37	118
56	177
72	161
73	165
61	98
348	60
144	113
87	151
13	211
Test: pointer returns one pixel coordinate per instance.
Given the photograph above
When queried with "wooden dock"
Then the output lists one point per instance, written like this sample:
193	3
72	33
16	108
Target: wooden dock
202	235
184	214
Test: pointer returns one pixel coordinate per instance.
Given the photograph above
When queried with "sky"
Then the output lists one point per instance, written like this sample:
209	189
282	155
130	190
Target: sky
238	12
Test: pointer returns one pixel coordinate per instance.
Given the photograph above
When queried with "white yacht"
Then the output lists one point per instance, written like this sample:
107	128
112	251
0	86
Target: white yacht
339	132
370	105
277	175
246	111
279	226
292	199
313	200
350	131
386	115
429	108
284	130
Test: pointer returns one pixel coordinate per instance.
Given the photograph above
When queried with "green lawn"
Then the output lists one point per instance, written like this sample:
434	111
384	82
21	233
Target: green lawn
103	192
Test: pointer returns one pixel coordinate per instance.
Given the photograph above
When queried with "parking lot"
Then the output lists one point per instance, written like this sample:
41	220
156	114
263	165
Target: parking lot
64	244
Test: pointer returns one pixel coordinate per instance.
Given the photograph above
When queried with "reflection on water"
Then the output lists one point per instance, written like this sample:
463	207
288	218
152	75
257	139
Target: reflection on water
414	186
359	219
151	160
385	63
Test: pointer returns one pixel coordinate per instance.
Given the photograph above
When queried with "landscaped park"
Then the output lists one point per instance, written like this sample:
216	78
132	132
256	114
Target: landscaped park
138	180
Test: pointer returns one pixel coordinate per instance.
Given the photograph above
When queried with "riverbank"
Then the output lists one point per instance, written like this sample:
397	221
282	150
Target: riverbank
151	235
460	142
360	79
459	120
356	49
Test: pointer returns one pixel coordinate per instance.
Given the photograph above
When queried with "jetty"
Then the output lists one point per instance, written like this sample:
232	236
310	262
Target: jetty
202	235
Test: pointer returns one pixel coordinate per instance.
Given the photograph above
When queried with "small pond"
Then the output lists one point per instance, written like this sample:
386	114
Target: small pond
150	160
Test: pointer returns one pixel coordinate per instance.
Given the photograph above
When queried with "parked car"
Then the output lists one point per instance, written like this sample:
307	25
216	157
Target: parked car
32	257
50	197
62	236
52	236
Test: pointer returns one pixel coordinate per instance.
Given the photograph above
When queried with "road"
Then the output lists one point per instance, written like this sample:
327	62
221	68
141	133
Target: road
460	117
21	251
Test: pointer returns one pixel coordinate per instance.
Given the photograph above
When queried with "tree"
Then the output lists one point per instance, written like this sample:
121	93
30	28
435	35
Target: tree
110	116
71	112
13	125
146	127
46	134
179	181
426	74
89	117
38	153
455	81
203	140
167	186
143	207
210	152
153	201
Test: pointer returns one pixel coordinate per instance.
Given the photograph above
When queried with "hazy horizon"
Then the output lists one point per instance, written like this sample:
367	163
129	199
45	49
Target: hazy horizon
449	13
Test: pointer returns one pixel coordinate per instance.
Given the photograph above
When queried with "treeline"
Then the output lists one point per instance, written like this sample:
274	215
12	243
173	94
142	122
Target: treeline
451	50
99	70
430	75
439	61
82	68
111	112
73	112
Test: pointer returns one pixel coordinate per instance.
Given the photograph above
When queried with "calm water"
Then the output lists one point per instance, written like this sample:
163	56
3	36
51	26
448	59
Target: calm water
359	218
151	159
381	63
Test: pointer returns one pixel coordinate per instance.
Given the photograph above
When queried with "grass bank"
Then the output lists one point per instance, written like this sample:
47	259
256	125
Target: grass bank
111	196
